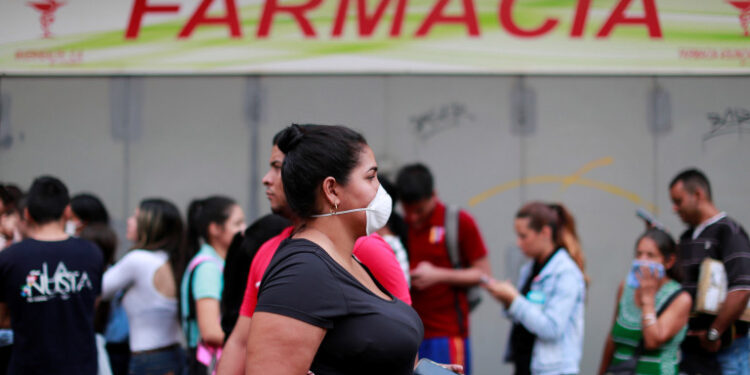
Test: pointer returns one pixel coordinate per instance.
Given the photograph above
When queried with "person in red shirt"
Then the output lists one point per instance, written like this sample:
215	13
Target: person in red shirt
438	289
372	251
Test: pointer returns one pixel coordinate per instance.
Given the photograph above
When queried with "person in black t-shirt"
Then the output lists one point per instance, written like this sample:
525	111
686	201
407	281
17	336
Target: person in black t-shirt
319	308
48	287
715	344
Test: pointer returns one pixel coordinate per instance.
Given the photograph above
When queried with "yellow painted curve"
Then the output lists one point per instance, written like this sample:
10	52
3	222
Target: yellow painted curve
565	182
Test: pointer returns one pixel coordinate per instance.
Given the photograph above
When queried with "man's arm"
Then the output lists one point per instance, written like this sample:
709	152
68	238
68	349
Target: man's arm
730	311
426	274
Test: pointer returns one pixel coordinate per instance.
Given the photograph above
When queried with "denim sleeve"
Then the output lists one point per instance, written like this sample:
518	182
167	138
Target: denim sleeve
548	321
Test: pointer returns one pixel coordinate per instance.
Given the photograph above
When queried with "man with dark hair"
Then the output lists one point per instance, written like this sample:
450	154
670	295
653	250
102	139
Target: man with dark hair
439	291
715	344
49	283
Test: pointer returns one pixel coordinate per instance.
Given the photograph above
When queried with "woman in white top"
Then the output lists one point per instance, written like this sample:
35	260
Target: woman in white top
149	275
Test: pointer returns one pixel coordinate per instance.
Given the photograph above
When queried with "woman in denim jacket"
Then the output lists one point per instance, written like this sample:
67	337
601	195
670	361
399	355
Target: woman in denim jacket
547	305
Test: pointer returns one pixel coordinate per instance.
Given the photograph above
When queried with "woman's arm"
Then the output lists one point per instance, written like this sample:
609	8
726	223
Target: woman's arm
657	331
120	276
548	321
208	315
669	323
206	290
232	361
281	345
609	347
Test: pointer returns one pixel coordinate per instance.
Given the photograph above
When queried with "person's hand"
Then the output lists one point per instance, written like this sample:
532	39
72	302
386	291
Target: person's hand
711	346
424	275
649	283
458	369
502	290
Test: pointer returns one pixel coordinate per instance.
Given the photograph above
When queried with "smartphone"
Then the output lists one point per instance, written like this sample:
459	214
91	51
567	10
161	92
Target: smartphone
427	367
648	218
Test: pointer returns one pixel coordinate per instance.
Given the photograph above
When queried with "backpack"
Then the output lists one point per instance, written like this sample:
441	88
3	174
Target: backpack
473	294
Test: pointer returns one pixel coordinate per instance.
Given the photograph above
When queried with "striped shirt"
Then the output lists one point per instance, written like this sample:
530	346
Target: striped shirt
725	240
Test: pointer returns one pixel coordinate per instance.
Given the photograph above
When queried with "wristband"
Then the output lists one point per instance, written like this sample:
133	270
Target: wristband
650	316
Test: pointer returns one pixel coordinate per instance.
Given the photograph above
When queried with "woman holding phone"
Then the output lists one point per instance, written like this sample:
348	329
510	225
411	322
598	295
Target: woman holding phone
547	305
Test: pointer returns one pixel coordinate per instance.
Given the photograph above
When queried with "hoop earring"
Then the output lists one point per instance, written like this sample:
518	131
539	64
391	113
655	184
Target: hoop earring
335	208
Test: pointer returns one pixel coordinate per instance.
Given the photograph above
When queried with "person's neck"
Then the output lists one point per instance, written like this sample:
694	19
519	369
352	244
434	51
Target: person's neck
52	231
545	254
332	236
707	212
221	251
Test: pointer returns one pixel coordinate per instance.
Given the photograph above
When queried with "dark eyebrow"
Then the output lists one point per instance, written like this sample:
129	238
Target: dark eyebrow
375	168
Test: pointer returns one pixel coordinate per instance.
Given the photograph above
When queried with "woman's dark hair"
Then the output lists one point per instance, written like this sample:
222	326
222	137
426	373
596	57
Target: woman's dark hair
89	208
314	152
201	213
667	249
160	227
396	223
562	224
239	258
103	236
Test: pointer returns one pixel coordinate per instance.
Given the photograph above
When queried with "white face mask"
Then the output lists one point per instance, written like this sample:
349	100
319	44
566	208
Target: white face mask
378	211
70	227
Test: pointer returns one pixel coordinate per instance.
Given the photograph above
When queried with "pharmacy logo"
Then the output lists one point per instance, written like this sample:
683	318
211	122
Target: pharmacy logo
41	287
47	8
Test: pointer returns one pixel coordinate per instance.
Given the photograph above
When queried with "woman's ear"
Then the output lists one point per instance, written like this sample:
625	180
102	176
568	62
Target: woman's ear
669	263
330	193
547	232
214	229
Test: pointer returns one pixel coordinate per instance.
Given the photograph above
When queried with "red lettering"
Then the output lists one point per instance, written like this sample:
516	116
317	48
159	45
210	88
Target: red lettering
140	8
368	23
650	19
297	11
579	23
199	17
506	19
469	18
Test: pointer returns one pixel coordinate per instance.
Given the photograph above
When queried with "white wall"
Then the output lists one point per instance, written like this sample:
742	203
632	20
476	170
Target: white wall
200	135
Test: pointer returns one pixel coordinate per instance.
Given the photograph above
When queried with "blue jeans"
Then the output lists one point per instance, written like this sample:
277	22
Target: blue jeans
735	360
163	362
447	350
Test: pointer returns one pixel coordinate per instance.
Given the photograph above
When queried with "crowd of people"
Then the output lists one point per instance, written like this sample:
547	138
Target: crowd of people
333	281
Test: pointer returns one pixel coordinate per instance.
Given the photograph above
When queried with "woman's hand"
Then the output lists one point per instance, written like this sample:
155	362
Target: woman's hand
649	284
504	291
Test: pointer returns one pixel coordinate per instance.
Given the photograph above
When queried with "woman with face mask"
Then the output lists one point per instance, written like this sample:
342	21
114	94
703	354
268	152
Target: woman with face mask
640	336
547	305
319	308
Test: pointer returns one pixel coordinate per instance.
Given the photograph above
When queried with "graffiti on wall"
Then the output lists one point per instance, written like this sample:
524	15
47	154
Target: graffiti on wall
437	120
734	120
